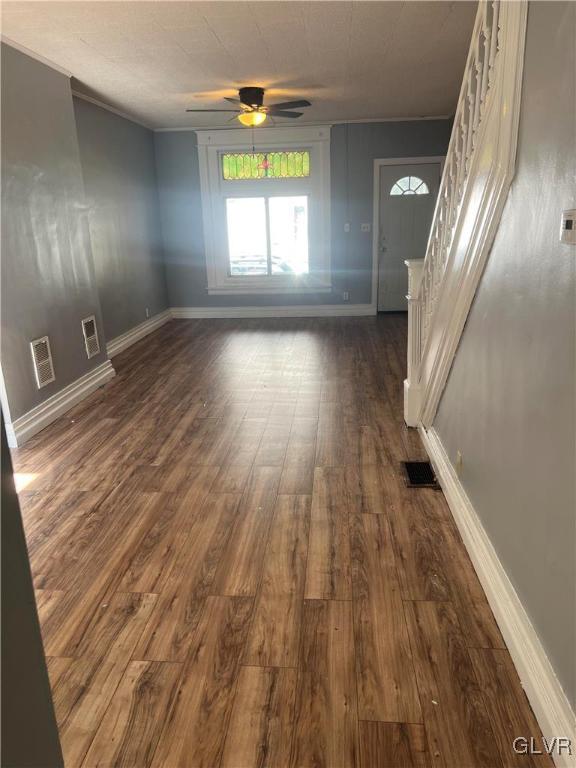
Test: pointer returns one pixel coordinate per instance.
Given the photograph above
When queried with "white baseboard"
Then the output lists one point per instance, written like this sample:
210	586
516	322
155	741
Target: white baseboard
542	687
301	310
10	434
39	417
125	340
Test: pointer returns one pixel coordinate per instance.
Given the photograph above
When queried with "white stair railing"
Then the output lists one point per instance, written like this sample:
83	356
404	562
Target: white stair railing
477	174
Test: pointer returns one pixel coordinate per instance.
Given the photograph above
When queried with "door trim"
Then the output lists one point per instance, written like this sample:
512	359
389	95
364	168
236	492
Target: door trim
378	163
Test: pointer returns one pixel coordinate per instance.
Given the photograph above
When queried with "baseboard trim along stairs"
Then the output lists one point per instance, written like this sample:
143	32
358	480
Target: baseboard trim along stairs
24	427
125	340
542	687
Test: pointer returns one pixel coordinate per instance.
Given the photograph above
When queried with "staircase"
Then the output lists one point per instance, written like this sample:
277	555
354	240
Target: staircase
477	175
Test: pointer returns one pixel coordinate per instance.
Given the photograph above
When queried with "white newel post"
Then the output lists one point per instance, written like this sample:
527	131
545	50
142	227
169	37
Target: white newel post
411	385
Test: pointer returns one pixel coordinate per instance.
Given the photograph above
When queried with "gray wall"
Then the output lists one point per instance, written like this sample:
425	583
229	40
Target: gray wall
353	150
120	183
29	730
48	282
509	402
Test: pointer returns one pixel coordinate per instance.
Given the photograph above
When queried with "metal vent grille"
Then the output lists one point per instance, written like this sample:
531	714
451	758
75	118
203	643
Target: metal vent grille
90	332
42	360
419	474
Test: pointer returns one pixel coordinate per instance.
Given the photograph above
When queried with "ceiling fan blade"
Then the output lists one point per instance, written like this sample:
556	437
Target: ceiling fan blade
231	100
291	104
283	113
212	110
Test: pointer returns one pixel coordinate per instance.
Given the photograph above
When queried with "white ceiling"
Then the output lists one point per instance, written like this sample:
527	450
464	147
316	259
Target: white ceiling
353	60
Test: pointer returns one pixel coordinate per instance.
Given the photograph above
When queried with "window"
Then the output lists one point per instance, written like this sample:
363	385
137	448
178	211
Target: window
247	239
265	165
266	212
289	235
409	185
267	235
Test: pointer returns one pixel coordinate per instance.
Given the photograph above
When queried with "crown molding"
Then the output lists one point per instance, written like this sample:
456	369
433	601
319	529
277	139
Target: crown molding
78	94
120	113
33	55
108	108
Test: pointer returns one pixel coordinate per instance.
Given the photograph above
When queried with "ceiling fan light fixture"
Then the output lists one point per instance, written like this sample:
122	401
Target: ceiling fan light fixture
250	110
252	119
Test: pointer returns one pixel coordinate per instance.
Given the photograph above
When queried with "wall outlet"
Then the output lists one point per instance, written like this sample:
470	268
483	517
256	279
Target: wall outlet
347	227
458	464
364	227
345	296
147	311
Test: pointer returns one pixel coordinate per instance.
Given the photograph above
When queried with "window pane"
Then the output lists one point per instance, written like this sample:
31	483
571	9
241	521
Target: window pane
270	165
246	221
289	234
409	185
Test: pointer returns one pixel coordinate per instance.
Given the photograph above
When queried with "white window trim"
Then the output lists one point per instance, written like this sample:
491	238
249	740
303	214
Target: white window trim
211	144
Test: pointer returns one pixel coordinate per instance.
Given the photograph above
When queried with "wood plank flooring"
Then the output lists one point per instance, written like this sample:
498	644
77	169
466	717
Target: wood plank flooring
231	572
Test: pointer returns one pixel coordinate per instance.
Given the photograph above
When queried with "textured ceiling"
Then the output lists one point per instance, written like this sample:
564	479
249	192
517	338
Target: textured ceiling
353	60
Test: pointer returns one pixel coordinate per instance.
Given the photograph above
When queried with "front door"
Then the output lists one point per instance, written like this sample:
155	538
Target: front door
407	199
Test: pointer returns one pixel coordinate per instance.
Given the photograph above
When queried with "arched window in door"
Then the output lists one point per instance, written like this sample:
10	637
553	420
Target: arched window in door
409	185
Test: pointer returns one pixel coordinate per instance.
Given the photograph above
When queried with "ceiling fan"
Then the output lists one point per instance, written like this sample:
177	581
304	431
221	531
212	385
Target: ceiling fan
251	110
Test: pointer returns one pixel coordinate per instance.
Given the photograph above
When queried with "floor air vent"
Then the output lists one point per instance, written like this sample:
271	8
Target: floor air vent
419	474
42	359
90	332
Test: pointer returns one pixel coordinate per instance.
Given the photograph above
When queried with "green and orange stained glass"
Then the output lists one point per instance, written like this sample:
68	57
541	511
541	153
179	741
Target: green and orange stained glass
266	165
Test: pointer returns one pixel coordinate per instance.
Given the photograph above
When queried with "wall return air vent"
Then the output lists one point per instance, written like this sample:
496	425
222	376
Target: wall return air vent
42	359
90	332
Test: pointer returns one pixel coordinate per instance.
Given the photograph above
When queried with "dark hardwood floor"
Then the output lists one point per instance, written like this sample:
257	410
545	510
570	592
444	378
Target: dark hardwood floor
231	572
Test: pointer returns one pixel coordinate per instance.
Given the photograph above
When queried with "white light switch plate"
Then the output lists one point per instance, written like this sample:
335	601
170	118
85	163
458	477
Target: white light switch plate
568	227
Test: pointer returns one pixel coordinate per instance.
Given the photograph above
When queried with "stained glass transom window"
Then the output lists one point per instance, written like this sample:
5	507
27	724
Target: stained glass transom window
266	165
410	185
